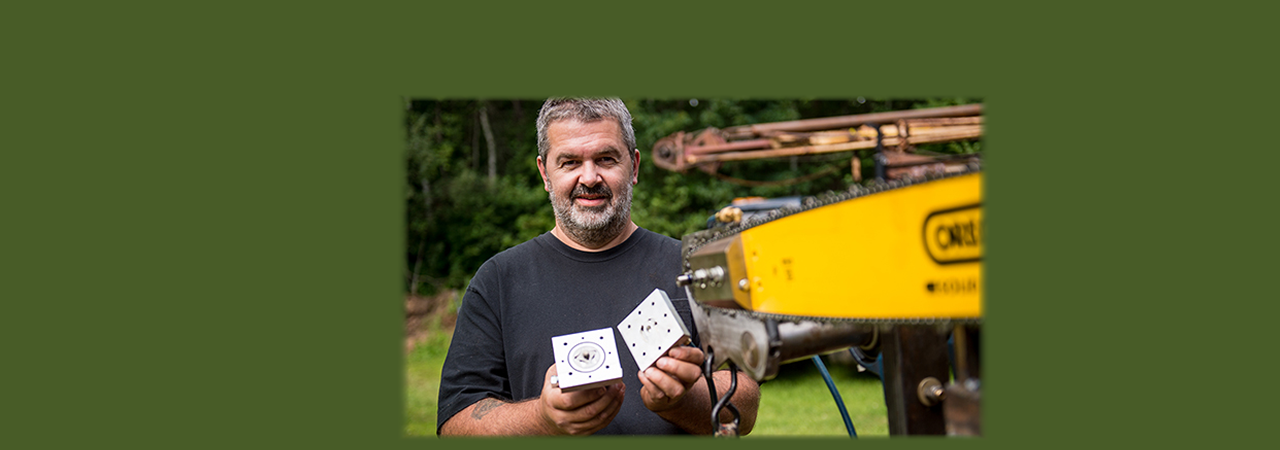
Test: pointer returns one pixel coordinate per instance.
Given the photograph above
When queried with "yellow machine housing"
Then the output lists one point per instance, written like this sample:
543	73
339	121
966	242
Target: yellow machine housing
908	253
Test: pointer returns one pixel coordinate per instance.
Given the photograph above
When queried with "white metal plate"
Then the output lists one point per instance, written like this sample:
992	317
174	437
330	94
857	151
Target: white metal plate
652	328
586	360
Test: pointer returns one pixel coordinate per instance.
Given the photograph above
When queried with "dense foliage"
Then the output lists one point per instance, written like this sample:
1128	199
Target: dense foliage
457	215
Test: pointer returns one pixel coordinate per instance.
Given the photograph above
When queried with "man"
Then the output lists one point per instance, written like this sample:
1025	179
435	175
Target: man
587	273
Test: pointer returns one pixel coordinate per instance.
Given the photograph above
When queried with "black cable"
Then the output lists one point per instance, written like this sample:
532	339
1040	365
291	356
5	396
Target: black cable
724	402
711	388
719	403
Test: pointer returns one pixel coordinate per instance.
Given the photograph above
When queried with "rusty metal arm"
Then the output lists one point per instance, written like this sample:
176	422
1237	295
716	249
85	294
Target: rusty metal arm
829	123
959	134
708	148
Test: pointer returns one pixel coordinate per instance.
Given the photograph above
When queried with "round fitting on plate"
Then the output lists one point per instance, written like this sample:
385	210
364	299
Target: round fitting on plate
586	357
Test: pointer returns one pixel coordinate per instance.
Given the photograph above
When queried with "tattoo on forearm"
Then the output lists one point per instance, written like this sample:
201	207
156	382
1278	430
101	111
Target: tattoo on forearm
483	407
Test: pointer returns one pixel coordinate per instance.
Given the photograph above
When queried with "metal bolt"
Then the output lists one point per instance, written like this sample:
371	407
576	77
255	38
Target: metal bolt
684	279
714	276
930	391
742	284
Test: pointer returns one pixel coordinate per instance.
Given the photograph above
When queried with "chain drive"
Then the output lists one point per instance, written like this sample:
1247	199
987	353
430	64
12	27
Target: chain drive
696	240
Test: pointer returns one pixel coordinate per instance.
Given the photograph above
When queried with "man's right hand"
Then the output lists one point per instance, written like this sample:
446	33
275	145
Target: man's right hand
580	412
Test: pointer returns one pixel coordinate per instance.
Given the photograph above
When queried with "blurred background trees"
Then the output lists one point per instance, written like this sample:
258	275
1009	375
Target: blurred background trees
472	187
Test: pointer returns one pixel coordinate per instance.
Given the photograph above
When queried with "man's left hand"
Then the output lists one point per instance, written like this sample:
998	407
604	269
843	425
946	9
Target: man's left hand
666	382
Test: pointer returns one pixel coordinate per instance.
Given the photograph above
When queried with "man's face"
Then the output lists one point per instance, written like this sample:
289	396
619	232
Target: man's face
589	172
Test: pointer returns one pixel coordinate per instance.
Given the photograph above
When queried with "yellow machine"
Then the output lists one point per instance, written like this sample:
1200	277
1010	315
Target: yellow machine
892	271
901	254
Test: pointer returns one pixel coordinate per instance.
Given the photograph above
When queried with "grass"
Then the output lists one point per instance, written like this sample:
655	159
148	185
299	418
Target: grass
422	381
796	403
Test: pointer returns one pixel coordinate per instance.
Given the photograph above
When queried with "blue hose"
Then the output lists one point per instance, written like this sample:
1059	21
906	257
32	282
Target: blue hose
831	384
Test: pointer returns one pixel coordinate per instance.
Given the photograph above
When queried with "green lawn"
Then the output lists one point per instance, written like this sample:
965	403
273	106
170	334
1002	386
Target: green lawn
796	403
422	382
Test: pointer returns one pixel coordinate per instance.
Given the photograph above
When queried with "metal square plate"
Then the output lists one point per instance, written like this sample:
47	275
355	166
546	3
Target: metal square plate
652	328
586	360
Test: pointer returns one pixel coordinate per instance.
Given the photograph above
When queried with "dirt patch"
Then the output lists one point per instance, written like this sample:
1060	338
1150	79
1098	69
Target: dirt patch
420	311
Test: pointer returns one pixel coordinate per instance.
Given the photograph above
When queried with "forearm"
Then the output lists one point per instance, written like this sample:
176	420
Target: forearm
693	413
493	417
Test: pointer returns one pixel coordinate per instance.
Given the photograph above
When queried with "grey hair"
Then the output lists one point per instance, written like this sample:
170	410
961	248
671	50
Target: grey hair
584	110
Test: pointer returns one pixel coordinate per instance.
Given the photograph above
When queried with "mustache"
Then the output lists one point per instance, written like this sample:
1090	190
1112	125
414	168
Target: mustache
599	189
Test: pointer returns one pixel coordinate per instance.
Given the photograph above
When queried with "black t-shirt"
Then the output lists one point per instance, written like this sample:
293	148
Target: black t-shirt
524	296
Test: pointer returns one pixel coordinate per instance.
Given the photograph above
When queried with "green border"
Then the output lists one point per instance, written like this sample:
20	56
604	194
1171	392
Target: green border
206	204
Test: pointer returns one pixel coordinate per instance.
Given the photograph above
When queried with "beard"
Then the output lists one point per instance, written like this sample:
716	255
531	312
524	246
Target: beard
597	225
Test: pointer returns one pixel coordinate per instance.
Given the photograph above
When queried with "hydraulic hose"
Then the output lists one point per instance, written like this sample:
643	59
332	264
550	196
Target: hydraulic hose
835	393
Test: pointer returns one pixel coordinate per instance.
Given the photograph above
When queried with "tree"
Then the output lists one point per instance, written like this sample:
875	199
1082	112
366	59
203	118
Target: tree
457	217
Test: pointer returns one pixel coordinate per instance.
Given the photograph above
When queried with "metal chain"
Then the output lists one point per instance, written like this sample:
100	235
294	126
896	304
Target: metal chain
698	239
